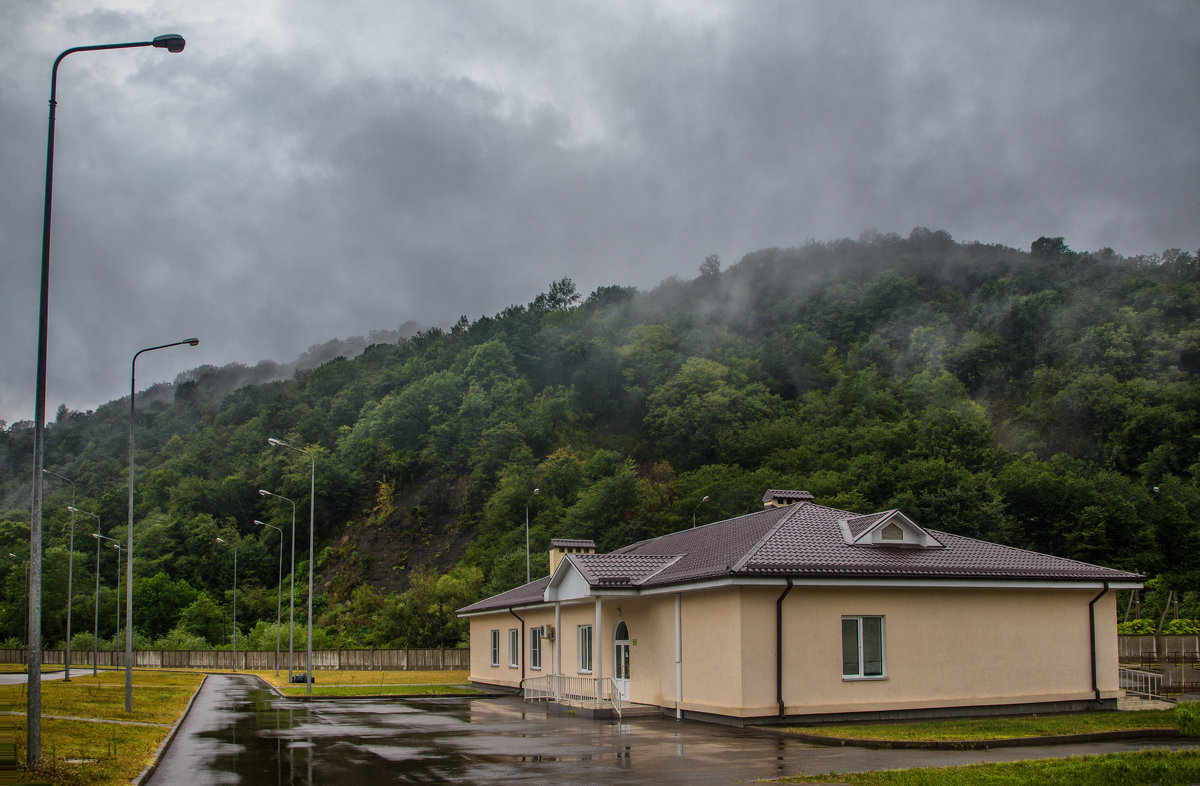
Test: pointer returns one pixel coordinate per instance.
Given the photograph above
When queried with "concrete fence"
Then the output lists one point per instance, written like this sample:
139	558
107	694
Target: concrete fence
323	660
1158	649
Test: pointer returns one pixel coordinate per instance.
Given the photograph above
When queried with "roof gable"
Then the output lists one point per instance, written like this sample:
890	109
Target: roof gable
889	528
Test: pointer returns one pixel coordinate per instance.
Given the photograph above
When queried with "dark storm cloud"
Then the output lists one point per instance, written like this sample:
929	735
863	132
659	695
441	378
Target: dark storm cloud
311	172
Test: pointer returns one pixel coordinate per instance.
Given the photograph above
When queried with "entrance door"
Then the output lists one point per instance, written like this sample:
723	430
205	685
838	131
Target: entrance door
621	659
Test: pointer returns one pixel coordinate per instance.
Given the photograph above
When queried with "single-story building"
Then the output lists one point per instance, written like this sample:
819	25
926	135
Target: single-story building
806	612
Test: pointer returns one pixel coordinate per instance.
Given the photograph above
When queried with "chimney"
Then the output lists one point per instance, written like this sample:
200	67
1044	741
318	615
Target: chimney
560	547
778	498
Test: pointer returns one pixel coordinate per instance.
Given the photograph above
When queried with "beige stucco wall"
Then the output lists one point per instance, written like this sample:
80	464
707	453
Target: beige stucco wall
952	647
944	648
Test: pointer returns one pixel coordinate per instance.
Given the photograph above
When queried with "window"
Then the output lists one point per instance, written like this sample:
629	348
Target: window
514	648
892	532
585	648
862	648
495	648
535	647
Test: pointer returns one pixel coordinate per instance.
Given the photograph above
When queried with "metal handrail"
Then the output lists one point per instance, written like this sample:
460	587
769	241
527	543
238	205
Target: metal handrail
573	691
1148	684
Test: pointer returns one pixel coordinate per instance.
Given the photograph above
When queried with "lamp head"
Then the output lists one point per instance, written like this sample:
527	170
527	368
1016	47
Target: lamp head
173	43
273	441
117	546
14	556
705	498
72	508
536	492
96	535
260	523
191	342
220	540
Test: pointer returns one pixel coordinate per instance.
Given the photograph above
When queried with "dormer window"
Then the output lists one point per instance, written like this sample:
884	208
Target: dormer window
890	528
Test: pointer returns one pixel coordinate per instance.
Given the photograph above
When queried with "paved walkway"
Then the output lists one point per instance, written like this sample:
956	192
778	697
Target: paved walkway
239	732
17	678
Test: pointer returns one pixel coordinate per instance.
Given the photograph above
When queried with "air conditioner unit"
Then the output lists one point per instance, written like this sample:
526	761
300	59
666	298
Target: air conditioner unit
548	632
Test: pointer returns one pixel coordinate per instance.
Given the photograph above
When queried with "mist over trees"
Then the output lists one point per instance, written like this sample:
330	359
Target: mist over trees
1047	399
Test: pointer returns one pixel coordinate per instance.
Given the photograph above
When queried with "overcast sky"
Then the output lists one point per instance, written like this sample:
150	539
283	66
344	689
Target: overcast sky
309	170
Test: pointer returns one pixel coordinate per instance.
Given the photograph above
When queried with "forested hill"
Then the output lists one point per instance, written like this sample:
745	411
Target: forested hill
1046	399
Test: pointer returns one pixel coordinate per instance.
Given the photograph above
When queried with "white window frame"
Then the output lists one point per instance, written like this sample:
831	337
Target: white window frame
495	642
860	673
514	648
583	638
535	648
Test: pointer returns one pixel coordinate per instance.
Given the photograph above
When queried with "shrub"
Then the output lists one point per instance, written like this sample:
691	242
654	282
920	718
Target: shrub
1136	628
1187	718
1182	628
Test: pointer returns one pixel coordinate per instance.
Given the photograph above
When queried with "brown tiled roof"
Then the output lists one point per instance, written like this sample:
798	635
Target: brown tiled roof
805	540
523	595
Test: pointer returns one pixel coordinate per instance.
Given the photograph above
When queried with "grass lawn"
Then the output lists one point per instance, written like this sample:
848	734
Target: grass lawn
1118	769
87	752
158	697
993	728
374	683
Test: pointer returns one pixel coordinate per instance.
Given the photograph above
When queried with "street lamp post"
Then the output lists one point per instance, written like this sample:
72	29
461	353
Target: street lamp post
96	598
312	557
33	739
292	583
116	544
279	595
191	342
531	496
226	543
70	574
698	504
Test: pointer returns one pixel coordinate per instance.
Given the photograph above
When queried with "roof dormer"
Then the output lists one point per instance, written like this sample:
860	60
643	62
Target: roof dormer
889	528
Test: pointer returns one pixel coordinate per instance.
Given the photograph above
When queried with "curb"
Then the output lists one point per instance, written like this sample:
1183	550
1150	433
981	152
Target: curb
971	745
162	749
372	696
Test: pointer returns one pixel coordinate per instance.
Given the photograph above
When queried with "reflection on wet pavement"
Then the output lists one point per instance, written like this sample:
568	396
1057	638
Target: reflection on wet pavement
240	732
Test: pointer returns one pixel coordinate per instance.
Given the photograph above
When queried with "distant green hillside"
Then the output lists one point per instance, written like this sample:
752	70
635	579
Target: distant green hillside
1046	399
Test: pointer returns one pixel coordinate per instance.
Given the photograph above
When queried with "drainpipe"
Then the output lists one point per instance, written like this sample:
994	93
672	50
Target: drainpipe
779	648
522	649
678	661
1092	623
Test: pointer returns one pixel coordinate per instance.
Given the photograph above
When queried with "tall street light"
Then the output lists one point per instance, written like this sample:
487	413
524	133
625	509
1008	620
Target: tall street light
70	574
116	544
191	342
33	740
312	558
292	589
226	543
698	504
279	596
96	597
531	496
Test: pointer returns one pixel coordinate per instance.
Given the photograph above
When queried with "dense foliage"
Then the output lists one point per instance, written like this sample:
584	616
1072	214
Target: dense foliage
1045	399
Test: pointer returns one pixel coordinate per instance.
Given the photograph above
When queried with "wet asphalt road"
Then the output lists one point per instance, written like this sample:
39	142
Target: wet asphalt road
239	732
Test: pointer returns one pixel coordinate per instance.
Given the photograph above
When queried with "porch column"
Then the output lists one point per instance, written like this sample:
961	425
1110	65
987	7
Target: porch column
598	651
